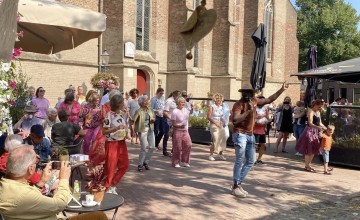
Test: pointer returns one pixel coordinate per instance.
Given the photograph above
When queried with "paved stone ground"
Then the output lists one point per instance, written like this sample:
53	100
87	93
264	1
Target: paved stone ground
278	190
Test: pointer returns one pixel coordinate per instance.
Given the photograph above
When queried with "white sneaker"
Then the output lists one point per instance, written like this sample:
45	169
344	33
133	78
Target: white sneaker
109	190
243	191
221	157
237	192
211	158
186	165
177	166
113	190
298	154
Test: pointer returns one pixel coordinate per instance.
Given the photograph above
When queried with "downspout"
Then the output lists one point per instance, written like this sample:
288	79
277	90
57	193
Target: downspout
100	38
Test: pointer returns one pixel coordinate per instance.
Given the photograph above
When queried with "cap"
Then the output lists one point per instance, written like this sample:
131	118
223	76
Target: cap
38	130
246	88
30	108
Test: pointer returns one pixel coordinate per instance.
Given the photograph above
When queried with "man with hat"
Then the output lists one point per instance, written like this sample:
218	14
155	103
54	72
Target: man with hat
42	145
28	120
243	118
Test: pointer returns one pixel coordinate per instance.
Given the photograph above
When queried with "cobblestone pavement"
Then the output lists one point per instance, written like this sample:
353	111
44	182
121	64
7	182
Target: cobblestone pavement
280	189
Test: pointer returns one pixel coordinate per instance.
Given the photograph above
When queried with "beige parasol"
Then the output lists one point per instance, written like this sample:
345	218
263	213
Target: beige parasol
51	26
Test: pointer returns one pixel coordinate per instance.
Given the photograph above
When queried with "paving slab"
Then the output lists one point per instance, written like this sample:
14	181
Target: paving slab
280	189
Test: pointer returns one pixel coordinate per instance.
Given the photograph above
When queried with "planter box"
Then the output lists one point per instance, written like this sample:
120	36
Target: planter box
345	156
200	135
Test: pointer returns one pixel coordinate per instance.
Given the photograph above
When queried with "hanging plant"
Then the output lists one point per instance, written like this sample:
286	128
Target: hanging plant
103	80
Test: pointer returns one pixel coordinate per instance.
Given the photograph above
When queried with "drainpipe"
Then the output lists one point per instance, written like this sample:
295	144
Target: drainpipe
100	38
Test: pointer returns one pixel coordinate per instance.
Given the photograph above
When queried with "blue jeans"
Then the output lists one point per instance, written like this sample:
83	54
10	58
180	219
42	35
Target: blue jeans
158	130
298	130
166	128
244	146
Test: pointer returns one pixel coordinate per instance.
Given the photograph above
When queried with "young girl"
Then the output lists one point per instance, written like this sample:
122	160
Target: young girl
114	128
326	143
144	119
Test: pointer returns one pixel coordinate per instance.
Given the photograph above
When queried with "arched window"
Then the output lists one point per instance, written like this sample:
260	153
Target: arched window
142	24
269	19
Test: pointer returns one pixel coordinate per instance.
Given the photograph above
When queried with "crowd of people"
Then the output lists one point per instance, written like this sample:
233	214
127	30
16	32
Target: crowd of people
100	126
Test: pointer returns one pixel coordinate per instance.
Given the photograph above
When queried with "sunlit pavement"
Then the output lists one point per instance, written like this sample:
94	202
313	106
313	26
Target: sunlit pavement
280	189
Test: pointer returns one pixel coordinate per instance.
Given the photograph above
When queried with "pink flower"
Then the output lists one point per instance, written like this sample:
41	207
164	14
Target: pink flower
16	53
12	84
11	102
20	34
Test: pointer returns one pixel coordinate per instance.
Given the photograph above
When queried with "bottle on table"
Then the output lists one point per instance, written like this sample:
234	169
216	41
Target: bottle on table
77	190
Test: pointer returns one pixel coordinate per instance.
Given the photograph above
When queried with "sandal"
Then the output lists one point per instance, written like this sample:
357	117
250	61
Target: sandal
330	169
327	173
284	151
310	169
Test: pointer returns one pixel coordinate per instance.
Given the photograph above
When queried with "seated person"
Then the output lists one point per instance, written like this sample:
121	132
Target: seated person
28	120
28	202
63	133
50	121
11	143
197	112
42	145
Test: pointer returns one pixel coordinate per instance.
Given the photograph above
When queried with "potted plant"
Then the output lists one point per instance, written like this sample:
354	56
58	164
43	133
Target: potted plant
199	130
63	154
95	185
103	80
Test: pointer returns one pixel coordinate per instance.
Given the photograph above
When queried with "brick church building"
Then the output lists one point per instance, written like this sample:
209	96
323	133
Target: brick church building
146	50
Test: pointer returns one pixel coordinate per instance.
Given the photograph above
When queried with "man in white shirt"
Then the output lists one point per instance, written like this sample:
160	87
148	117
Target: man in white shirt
170	105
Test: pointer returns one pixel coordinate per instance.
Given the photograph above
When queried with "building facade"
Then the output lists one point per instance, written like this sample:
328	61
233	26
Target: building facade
147	51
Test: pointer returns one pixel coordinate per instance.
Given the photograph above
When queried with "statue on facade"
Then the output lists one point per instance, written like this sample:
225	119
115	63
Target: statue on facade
200	23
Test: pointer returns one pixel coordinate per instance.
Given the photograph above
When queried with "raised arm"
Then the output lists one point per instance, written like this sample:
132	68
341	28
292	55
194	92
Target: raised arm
274	96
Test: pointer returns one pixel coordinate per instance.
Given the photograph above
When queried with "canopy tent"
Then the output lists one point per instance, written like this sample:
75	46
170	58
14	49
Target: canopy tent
51	26
345	71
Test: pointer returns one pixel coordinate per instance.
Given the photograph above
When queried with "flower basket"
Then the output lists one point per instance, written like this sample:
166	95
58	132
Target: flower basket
103	80
98	194
95	185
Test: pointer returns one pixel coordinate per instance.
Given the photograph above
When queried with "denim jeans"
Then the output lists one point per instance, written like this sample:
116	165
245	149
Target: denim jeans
158	130
147	143
166	128
298	130
244	146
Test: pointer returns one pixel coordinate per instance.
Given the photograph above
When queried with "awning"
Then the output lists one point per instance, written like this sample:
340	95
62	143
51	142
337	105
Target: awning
51	26
345	71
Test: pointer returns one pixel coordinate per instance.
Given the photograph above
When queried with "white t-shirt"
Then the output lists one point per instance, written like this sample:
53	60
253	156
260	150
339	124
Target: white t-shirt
170	105
112	120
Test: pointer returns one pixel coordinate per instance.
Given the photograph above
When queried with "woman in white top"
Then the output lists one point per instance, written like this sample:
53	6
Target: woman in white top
218	127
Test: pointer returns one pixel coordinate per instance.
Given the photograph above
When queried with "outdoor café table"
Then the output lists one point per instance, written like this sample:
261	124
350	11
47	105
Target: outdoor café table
110	202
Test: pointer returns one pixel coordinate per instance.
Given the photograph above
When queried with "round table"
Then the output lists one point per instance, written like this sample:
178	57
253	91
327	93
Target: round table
110	201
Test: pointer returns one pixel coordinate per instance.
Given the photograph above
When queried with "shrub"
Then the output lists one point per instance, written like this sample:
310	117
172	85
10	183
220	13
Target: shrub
198	122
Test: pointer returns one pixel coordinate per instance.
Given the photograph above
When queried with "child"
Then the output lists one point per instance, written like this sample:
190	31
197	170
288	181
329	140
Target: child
326	146
114	128
144	119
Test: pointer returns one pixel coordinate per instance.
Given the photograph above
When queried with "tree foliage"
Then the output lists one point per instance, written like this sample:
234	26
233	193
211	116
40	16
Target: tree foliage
331	25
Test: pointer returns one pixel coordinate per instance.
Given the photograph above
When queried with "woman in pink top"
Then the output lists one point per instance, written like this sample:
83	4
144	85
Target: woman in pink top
71	106
181	139
41	103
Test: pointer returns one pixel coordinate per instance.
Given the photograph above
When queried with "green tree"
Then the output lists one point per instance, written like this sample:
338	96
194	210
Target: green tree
331	25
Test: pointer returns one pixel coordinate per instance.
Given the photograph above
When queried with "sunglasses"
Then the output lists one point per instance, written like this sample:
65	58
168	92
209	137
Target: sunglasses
41	90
